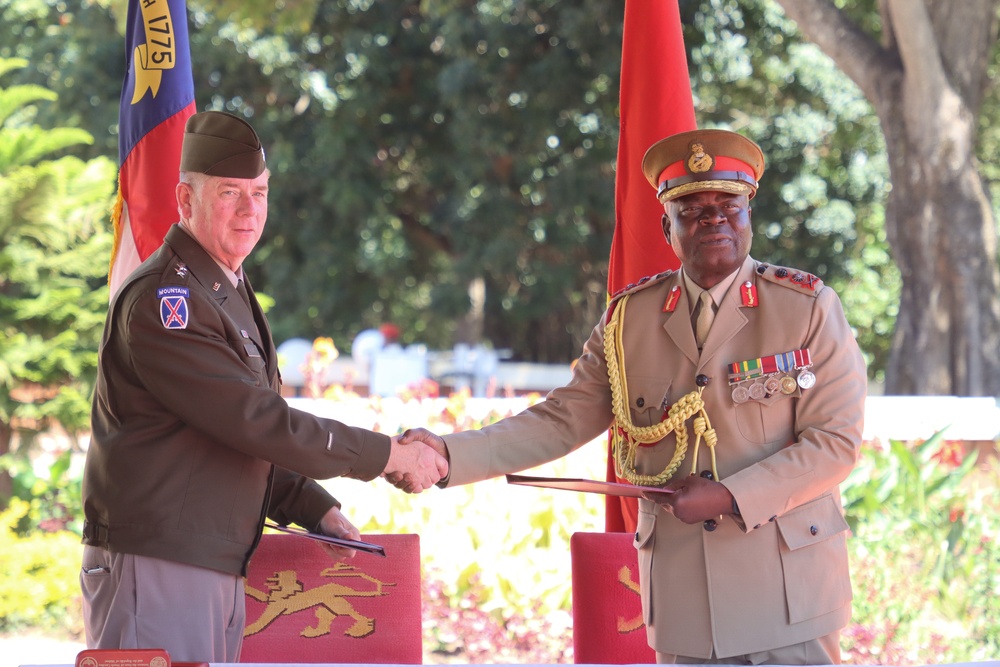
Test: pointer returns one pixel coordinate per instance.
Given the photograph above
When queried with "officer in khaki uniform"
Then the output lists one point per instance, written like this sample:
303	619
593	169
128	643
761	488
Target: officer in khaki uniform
192	445
753	427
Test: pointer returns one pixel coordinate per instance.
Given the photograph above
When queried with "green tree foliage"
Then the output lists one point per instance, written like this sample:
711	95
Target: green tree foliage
821	202
53	266
482	145
76	51
433	158
463	147
925	67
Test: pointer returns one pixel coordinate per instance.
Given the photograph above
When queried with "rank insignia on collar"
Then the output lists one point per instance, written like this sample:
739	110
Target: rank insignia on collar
173	307
748	295
671	303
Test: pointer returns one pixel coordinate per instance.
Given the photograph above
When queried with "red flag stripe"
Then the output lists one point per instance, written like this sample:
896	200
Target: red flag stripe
655	102
156	101
148	179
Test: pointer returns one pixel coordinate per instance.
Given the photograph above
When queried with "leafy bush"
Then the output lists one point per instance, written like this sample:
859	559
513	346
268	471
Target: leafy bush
924	557
925	552
40	542
39	577
496	559
52	497
461	624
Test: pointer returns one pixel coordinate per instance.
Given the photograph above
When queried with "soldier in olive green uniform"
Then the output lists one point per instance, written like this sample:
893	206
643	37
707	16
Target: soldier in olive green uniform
193	446
747	402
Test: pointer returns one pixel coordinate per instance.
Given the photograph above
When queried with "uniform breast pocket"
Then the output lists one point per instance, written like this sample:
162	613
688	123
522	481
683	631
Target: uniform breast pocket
255	361
770	421
648	398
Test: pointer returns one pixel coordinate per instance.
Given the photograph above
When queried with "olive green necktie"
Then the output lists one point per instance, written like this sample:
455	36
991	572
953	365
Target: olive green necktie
241	287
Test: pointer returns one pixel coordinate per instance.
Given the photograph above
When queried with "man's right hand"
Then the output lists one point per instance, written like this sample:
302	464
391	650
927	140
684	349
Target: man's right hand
416	463
417	439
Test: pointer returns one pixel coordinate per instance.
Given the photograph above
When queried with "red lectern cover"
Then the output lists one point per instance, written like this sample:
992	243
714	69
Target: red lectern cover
607	611
302	606
129	657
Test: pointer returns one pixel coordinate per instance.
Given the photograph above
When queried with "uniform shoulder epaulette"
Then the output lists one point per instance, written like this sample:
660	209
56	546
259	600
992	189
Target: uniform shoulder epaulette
800	281
175	272
642	284
172	272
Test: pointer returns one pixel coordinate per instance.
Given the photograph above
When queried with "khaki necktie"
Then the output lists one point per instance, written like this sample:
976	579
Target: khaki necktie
706	313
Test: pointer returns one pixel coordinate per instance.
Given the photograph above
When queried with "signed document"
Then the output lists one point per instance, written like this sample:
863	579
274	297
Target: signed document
589	486
367	547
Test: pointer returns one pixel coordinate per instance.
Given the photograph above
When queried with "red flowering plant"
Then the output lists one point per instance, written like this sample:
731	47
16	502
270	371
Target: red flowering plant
916	480
316	365
914	553
461	625
924	553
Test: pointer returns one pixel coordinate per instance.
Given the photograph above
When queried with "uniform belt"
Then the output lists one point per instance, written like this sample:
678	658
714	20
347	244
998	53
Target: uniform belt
95	533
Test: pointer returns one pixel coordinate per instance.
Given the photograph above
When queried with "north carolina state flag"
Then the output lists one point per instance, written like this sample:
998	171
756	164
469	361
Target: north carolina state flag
157	99
655	102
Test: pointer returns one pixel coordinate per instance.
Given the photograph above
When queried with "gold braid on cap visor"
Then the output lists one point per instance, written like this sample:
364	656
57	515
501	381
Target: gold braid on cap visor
626	436
733	187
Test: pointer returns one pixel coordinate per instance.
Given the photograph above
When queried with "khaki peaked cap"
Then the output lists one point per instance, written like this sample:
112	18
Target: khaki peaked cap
703	160
221	144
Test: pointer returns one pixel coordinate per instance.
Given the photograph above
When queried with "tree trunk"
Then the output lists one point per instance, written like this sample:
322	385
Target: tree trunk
469	329
6	483
941	229
926	82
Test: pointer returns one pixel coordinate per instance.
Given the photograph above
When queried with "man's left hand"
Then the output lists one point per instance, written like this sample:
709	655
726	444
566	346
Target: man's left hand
696	499
335	524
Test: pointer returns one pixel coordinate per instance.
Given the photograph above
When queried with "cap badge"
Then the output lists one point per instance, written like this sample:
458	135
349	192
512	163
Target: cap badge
699	161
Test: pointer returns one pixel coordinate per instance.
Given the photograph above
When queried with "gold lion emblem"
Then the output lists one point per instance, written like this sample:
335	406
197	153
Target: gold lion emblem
286	596
625	625
699	161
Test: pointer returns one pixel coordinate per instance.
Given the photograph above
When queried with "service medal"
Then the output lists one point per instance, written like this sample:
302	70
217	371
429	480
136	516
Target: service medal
806	379
772	374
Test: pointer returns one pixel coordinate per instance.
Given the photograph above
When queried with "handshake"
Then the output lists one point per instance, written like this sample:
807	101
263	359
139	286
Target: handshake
417	461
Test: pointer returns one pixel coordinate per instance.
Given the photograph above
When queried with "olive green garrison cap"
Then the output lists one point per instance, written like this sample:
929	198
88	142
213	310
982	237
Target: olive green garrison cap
221	144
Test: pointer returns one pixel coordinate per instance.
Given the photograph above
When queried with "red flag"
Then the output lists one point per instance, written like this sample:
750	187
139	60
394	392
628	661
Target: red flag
655	102
157	99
